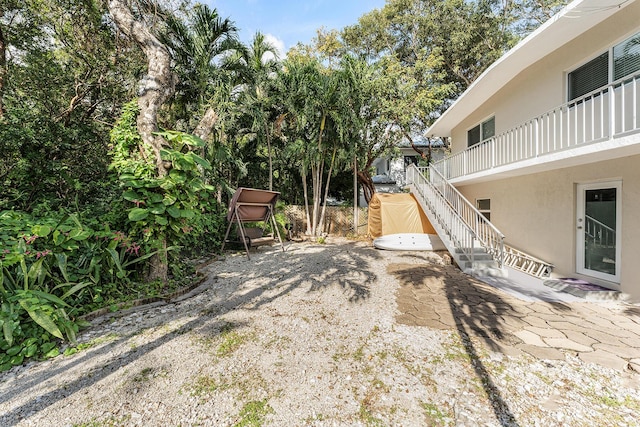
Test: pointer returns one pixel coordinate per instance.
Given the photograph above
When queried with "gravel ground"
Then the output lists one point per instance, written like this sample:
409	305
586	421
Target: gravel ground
307	337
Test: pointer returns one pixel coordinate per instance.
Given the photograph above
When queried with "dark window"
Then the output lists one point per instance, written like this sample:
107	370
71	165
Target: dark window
484	206
410	160
473	136
482	132
591	76
626	57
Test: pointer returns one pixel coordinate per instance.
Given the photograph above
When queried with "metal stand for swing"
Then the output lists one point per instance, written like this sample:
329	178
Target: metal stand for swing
253	205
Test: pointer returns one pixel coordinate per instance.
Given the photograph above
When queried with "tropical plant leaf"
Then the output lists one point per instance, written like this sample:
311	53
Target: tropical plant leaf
169	199
62	265
202	162
116	259
7	330
157	209
41	230
75	288
79	235
174	211
42	319
131	195
138	214
49	297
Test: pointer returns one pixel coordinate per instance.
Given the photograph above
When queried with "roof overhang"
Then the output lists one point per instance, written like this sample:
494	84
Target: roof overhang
575	19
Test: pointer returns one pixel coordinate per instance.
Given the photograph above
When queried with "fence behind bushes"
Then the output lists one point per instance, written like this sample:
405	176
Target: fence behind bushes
338	220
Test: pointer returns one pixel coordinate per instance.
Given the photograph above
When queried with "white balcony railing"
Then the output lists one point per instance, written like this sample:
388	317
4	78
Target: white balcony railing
601	115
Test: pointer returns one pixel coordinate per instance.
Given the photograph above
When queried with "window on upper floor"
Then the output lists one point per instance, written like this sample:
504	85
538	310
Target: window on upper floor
595	73
589	77
481	132
626	57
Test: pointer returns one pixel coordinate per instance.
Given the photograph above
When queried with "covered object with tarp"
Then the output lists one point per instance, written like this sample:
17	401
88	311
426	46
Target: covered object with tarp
396	213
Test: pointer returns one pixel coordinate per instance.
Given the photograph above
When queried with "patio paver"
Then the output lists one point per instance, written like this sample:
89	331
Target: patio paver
442	297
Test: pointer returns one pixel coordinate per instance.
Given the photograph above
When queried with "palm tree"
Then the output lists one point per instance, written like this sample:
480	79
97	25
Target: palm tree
255	68
315	124
199	47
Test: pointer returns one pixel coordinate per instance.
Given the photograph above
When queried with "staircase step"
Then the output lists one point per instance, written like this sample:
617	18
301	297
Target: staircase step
476	257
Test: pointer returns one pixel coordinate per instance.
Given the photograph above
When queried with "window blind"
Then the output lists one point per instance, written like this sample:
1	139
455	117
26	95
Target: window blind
591	76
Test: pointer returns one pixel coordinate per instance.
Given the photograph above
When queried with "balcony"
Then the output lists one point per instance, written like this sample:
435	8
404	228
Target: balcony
601	125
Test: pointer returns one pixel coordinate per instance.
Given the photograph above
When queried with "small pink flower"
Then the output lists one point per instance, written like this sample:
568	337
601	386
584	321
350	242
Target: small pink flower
134	248
43	253
29	240
138	203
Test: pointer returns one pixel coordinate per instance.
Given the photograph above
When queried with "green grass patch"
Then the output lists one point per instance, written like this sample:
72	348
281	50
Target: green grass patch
434	415
205	385
94	342
231	340
253	413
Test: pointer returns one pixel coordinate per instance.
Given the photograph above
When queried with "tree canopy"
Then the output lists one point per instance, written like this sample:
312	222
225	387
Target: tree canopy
125	125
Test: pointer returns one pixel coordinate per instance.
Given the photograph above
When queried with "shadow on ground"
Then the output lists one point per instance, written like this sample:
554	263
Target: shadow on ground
276	271
441	297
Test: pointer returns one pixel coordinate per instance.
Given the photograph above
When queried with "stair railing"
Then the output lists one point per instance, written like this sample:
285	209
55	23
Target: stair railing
461	236
464	224
601	234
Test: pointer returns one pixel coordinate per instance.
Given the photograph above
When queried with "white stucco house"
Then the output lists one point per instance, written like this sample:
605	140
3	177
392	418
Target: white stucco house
545	145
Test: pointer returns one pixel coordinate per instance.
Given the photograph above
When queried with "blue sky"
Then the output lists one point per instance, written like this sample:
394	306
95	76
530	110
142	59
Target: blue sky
291	21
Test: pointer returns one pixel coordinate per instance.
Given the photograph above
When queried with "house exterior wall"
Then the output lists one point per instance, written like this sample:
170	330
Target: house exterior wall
537	213
542	86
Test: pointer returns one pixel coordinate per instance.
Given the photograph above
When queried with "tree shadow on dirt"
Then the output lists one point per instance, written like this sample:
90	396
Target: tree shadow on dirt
289	270
347	268
476	309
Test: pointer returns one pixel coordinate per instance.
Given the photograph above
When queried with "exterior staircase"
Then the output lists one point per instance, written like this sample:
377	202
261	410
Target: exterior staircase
476	245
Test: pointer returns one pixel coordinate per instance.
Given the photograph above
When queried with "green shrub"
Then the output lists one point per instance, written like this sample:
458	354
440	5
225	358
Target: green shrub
51	271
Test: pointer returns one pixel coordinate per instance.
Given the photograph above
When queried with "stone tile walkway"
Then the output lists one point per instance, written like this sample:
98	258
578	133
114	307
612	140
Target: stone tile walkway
442	297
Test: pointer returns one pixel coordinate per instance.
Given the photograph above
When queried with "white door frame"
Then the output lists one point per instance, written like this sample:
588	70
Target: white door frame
580	223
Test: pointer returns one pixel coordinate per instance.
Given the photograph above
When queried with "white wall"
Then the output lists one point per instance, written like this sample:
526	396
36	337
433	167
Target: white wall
542	86
537	213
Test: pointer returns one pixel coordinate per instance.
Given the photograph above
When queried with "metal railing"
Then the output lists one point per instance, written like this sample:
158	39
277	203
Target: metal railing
465	226
606	113
601	234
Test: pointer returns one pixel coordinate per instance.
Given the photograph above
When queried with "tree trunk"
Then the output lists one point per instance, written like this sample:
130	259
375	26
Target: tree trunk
326	187
415	148
306	200
159	82
364	178
155	87
268	136
204	129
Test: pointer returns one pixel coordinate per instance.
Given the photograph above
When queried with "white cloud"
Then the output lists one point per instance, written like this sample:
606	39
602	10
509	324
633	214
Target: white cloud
277	43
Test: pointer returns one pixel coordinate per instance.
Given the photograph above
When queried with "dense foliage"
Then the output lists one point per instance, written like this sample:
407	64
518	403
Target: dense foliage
101	202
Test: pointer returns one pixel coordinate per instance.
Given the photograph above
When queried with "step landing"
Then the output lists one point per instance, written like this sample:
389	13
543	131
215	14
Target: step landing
584	289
